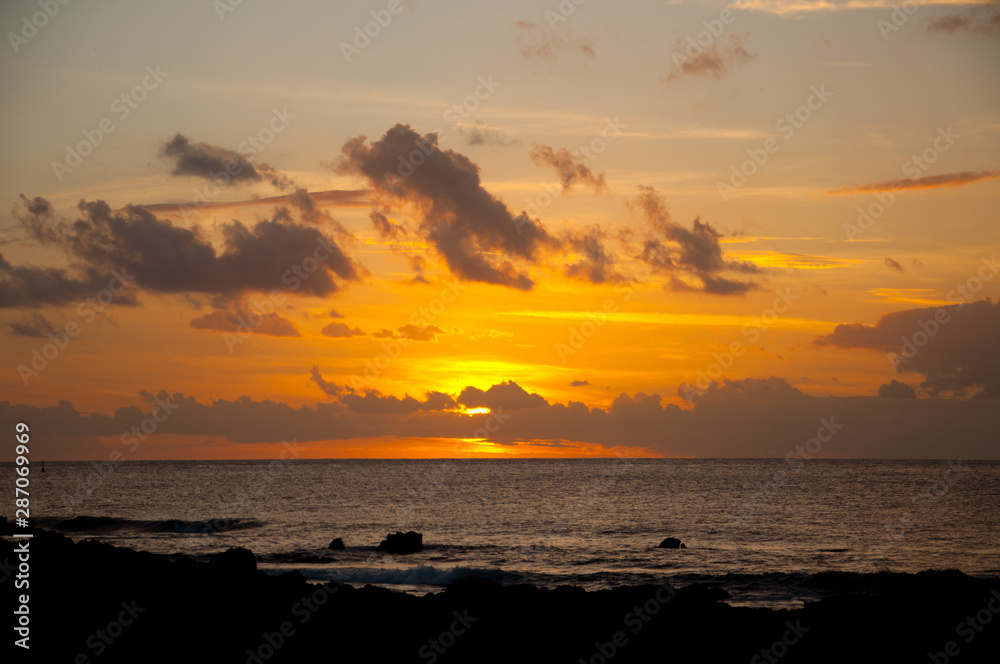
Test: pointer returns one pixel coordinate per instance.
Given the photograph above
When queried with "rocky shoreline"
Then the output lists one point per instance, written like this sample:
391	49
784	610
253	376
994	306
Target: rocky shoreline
92	602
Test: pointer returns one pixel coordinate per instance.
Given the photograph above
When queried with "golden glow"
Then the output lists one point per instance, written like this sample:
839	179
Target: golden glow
777	260
656	318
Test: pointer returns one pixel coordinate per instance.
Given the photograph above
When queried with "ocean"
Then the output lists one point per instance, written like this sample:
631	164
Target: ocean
772	532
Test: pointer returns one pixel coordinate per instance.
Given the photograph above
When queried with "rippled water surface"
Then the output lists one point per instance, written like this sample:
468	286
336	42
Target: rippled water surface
761	528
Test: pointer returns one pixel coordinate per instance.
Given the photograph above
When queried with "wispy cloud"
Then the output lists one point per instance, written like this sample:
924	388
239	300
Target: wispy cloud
928	182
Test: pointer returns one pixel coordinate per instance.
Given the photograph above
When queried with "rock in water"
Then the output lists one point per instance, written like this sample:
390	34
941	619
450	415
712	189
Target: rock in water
671	543
337	545
410	542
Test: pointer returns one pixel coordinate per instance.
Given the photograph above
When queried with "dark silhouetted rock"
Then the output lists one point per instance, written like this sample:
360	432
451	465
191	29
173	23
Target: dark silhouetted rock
337	545
410	542
671	543
235	562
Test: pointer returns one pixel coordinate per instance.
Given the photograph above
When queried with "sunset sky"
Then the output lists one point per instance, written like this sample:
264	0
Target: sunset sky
685	228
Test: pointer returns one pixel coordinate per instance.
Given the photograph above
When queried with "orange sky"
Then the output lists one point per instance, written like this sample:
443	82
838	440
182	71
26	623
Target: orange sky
588	211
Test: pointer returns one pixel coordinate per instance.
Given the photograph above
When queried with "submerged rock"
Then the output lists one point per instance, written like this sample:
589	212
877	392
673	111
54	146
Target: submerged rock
671	543
337	545
410	542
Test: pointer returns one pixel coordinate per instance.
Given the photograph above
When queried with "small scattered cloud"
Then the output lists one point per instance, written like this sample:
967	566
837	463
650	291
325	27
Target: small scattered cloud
595	262
207	161
539	44
974	21
571	169
580	383
716	60
894	265
690	259
244	320
412	332
480	134
339	330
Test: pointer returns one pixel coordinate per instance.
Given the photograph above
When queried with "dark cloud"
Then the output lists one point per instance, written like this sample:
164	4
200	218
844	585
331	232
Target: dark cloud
596	263
386	227
894	265
954	347
480	134
549	45
29	286
332	313
715	60
690	259
975	21
275	254
571	169
341	330
208	161
37	206
373	402
412	332
746	418
579	383
896	390
927	182
507	395
475	233
36	216
270	324
34	325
